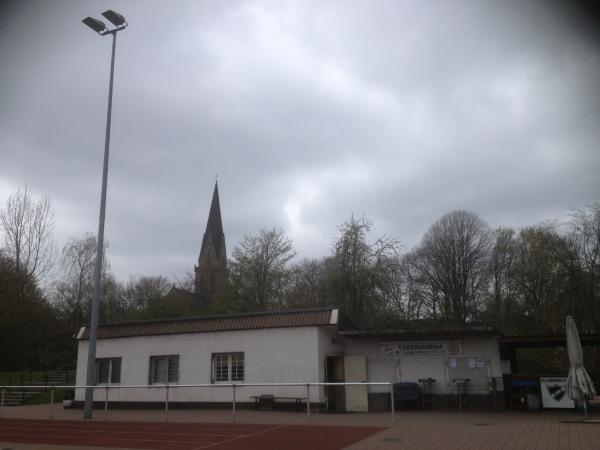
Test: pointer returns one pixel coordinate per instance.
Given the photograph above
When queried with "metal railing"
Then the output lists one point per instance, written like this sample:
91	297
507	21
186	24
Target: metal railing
40	381
167	387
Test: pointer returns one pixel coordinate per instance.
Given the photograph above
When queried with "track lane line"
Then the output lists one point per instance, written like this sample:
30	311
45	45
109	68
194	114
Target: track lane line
134	425
240	437
124	431
91	443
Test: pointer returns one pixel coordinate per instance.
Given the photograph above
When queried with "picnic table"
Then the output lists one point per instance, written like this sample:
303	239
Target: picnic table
268	401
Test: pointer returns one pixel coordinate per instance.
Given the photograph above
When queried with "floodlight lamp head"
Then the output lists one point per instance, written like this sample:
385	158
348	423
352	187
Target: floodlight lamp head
97	25
115	18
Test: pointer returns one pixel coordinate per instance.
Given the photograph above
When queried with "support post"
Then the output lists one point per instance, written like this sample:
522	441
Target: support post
51	402
106	404
90	376
393	404
166	403
308	403
2	403
233	404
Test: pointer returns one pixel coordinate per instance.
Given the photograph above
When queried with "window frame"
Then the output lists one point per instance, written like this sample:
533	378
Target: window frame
172	377
233	363
111	370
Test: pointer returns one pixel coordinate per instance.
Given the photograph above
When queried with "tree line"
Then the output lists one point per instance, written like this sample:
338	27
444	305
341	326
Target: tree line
522	281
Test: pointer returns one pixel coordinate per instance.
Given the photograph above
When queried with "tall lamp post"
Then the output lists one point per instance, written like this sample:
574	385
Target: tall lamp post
99	27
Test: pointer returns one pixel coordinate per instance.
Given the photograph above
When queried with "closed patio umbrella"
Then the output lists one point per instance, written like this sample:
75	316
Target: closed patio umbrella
579	384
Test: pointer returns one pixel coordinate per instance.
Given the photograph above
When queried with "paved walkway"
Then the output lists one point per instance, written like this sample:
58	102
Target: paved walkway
443	430
486	431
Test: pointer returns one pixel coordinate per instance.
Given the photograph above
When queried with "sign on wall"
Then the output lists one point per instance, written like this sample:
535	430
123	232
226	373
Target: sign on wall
421	348
554	393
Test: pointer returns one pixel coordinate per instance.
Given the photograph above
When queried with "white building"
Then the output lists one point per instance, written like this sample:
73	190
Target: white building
313	345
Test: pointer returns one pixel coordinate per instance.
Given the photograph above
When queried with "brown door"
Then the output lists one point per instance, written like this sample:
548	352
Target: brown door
336	395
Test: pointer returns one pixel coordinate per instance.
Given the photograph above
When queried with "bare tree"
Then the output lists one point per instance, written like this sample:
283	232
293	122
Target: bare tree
187	281
414	290
144	293
308	284
452	261
259	268
541	278
363	276
73	292
389	278
503	307
27	227
350	265
584	264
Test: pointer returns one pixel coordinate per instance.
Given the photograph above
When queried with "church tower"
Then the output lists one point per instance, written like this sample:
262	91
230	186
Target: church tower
212	263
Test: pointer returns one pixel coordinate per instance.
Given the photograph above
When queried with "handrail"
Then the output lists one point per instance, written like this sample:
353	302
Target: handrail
21	374
176	385
167	387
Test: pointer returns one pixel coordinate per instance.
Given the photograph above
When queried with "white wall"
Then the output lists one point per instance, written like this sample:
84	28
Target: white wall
270	355
383	368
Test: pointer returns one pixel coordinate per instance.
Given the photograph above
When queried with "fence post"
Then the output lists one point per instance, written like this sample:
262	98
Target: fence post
308	403
166	403
2	403
106	403
23	389
51	402
393	405
233	410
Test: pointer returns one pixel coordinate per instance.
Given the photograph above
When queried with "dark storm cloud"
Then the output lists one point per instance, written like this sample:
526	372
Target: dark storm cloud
307	111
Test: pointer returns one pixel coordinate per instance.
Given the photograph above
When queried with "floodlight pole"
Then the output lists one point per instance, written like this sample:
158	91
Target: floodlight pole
90	378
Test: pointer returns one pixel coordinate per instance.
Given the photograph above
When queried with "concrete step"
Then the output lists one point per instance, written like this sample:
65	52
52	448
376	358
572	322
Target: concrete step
18	397
16	392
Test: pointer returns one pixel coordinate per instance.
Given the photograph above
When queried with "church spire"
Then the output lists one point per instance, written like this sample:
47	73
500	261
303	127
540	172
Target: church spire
214	226
212	261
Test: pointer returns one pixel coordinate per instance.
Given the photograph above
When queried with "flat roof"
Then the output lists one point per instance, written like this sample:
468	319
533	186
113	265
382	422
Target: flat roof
206	324
546	340
423	333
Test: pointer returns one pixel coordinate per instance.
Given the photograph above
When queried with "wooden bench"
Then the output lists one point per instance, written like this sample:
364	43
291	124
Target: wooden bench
267	401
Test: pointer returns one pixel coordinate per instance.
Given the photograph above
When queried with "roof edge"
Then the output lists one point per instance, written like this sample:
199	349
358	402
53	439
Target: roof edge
219	316
420	334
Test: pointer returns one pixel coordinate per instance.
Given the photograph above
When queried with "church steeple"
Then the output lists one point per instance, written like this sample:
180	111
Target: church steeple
212	262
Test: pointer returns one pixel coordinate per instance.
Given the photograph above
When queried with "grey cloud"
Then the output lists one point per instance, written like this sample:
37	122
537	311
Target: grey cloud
307	111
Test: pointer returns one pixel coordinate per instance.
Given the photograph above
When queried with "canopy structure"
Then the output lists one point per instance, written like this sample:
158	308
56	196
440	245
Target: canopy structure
579	383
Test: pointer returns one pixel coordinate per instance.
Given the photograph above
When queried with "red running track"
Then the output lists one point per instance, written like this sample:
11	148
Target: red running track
181	436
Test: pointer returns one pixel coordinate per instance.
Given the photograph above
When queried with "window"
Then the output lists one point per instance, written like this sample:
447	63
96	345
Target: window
228	366
108	370
164	369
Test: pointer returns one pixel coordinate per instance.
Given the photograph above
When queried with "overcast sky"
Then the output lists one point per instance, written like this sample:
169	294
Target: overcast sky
308	111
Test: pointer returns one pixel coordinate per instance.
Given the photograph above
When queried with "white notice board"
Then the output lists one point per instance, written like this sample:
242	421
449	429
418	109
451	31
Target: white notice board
554	393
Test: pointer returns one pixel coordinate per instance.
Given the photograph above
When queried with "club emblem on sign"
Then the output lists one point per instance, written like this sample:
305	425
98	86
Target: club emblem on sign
556	391
454	347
